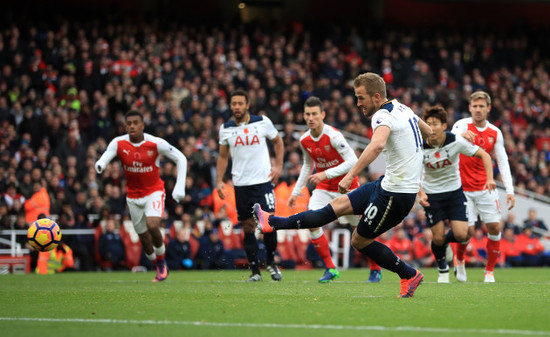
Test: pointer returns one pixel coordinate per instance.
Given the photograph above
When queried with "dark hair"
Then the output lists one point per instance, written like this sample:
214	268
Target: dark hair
314	101
436	112
239	93
133	113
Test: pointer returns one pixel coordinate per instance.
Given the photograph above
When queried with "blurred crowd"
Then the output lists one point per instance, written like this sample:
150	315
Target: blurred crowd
65	86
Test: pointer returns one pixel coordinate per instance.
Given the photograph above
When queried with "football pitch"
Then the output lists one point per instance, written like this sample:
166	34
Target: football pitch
221	303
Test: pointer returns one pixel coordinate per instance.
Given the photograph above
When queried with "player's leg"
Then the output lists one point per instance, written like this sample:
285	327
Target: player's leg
243	198
461	246
319	199
267	197
456	207
489	210
375	272
438	249
315	218
384	211
154	207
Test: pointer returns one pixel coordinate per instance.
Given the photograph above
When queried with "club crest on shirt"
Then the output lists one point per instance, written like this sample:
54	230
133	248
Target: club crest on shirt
491	140
327	148
151	153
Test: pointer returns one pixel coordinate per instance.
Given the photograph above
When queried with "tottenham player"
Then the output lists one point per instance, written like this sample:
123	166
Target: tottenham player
441	193
245	138
139	154
384	203
325	149
481	132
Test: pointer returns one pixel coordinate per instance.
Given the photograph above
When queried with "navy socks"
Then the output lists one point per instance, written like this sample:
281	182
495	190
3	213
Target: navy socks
308	219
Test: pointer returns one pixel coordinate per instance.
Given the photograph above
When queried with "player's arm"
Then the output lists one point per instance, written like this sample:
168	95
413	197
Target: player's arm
425	129
343	148
488	165
279	148
221	166
307	167
177	157
371	152
504	168
107	156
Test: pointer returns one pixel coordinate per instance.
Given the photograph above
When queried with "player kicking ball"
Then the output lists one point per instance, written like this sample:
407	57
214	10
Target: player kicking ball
383	203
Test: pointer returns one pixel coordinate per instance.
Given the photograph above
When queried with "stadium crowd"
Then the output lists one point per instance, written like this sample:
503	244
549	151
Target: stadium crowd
65	86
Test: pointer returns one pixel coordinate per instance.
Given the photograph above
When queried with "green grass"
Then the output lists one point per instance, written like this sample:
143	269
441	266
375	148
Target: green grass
223	304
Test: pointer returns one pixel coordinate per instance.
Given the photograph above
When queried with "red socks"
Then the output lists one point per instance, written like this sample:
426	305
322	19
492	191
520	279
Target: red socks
493	250
322	248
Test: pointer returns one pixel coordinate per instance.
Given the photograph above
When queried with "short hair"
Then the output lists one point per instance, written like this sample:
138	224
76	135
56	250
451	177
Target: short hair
314	101
372	82
133	113
480	95
436	112
239	93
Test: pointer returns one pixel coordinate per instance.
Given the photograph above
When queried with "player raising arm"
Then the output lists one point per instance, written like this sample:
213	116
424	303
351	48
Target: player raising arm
139	154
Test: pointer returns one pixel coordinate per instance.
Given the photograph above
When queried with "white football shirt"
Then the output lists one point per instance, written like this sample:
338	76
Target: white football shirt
248	147
403	150
441	172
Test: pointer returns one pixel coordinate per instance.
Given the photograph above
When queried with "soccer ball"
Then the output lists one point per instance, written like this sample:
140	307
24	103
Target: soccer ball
44	235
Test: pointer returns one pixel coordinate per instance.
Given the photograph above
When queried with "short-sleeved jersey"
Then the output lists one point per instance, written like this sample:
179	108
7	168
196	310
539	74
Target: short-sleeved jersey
330	153
441	163
403	150
472	171
248	147
140	163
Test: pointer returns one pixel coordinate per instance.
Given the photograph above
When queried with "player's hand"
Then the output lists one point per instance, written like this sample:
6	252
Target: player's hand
469	136
98	168
221	190
423	199
178	195
490	185
275	174
345	183
317	178
292	201
510	201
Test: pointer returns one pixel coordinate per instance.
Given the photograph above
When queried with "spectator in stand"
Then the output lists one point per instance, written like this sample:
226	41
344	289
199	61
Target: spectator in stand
531	247
422	251
402	246
511	249
211	254
476	253
533	222
178	251
111	247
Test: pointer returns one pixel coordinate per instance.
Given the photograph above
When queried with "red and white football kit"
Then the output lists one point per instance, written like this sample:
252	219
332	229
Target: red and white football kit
140	163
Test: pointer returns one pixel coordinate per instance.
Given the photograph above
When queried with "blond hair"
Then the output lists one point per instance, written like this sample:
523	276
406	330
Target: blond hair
480	95
372	82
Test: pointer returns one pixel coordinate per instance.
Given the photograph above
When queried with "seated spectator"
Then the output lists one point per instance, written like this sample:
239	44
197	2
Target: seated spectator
11	194
511	223
476	253
538	226
178	251
211	253
422	250
56	260
510	248
111	247
531	246
401	244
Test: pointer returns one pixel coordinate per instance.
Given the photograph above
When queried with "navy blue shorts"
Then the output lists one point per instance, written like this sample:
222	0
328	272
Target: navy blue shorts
446	206
247	196
381	210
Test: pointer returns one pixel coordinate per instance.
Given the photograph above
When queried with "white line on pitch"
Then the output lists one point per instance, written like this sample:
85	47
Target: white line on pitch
282	326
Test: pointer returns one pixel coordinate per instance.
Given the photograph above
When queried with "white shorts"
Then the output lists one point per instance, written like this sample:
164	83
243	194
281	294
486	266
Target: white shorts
142	208
484	204
320	198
